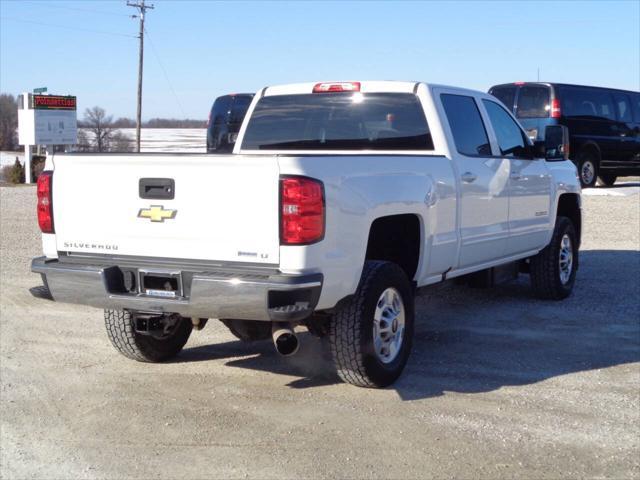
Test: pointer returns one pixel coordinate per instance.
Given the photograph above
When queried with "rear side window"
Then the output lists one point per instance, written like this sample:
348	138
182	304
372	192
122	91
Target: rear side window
466	125
239	109
338	121
510	137
507	95
533	101
623	107
587	103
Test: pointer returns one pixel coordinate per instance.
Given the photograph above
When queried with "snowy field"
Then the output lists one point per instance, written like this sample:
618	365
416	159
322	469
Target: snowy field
191	140
170	139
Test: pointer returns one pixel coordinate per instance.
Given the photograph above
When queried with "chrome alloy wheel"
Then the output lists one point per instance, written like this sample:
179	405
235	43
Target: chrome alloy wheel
565	259
588	172
388	325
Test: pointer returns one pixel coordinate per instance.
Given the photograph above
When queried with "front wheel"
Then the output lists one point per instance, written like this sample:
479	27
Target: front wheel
587	169
121	330
371	333
553	269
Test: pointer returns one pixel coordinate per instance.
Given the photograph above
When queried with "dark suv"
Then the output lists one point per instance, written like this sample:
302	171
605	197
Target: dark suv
603	123
225	120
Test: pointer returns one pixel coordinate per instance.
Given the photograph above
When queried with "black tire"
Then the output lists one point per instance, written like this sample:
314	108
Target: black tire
545	268
144	348
588	167
351	328
607	180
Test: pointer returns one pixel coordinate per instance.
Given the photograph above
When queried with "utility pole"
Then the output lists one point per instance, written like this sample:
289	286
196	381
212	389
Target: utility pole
142	8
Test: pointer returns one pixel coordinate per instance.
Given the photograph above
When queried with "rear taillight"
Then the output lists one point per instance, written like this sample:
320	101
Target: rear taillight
555	108
331	87
45	203
301	210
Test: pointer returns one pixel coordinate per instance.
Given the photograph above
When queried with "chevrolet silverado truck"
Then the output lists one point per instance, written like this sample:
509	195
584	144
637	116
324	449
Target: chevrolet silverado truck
339	200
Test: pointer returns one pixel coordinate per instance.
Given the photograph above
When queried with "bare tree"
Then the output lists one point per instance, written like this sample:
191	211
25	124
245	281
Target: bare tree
120	143
101	126
8	122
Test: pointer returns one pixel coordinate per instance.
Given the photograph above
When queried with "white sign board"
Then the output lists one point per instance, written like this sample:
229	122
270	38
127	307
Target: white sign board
47	120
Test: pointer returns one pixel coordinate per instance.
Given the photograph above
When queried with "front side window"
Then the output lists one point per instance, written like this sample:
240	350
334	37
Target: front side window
635	106
466	125
338	121
623	107
534	101
510	138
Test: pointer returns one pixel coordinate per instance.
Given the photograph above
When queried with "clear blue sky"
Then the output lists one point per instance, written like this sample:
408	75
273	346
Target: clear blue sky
212	48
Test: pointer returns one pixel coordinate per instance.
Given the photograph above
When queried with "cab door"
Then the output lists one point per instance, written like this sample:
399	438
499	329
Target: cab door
482	181
529	183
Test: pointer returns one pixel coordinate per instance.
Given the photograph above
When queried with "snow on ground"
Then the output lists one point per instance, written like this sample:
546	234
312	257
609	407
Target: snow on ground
170	139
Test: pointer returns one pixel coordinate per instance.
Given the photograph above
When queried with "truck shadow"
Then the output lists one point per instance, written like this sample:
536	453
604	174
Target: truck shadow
479	340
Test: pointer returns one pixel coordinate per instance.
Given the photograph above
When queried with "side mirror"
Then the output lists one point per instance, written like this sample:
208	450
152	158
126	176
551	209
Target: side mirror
556	142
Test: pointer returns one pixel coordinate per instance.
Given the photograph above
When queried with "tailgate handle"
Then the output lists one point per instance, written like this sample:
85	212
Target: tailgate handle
157	188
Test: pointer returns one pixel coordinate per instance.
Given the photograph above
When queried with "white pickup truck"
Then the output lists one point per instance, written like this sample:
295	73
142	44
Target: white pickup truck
339	200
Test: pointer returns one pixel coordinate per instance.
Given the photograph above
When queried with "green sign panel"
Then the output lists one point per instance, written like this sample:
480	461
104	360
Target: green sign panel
40	90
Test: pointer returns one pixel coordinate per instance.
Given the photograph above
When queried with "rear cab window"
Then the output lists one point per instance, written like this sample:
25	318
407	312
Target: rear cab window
466	125
338	121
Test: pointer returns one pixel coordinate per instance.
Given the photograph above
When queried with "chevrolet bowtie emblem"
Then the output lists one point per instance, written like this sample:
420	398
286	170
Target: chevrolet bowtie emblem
156	213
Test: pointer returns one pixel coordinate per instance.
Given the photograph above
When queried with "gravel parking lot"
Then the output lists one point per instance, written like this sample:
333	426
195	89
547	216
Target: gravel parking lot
499	384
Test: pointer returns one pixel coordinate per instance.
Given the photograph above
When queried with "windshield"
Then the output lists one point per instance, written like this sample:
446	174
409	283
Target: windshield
338	121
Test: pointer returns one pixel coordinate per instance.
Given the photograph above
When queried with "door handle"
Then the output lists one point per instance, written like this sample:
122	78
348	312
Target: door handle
469	177
515	176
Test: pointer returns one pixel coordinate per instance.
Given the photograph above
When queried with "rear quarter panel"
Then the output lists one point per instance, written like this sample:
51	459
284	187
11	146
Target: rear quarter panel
360	189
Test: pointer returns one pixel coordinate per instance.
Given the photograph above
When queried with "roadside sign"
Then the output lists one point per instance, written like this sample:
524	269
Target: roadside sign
40	90
48	120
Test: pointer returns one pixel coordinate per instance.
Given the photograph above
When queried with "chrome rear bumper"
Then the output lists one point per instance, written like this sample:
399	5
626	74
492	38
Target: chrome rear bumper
228	293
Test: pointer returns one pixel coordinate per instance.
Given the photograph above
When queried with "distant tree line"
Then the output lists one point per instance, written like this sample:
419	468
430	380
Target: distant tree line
123	122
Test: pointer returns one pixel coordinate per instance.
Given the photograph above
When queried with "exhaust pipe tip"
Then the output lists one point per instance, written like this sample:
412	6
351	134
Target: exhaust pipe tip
285	340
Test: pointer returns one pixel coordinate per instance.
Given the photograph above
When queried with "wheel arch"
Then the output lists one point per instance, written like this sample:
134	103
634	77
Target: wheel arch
569	206
591	147
396	238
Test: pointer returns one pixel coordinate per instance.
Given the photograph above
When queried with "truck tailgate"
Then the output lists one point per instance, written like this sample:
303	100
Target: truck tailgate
225	207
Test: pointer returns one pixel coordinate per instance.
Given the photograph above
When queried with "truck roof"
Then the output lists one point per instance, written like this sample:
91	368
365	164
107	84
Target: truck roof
364	86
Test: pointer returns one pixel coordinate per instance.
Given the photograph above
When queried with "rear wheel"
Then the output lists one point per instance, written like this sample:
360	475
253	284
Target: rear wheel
371	333
607	180
553	269
588	169
121	330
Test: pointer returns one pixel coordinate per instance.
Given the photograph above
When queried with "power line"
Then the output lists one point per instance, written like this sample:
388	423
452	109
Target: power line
166	77
103	32
48	4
